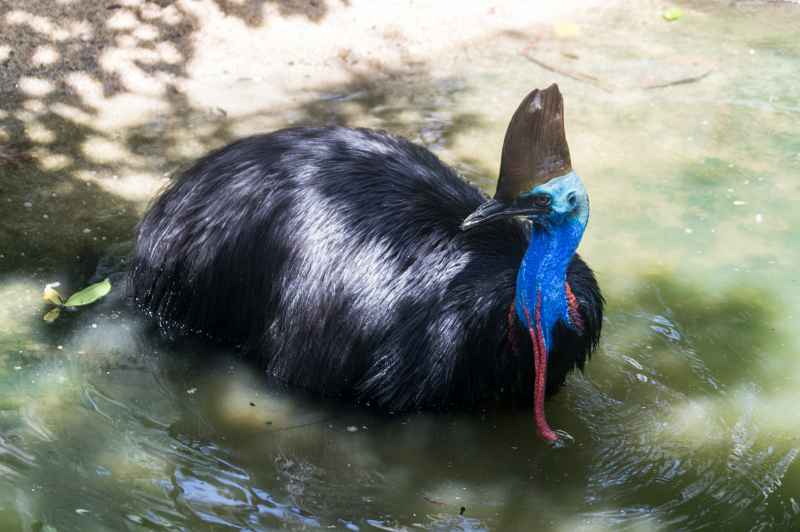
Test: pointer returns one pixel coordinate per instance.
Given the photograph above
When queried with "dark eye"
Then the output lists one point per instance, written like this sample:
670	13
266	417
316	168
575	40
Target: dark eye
542	200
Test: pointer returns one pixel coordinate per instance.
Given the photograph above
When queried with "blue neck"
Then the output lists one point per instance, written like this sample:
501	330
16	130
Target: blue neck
544	271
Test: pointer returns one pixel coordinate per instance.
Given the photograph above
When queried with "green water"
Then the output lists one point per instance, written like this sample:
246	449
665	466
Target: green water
686	419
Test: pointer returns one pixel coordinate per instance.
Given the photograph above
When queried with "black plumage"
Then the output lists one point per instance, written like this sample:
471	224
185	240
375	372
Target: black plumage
336	257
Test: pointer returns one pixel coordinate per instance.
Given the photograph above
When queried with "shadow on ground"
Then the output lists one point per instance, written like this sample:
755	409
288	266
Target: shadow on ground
72	183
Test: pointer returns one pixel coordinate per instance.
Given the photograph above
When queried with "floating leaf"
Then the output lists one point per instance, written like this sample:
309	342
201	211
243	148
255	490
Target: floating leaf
51	295
88	295
672	14
51	316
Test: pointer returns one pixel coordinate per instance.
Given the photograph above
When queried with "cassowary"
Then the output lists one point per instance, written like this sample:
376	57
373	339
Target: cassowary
354	263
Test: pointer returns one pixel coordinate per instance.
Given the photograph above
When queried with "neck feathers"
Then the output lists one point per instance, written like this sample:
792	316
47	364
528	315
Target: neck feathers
543	274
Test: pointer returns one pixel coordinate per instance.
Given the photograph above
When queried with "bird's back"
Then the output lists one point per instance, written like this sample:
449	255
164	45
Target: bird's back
336	255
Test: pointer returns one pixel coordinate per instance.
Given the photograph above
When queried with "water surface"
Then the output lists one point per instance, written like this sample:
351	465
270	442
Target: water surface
686	418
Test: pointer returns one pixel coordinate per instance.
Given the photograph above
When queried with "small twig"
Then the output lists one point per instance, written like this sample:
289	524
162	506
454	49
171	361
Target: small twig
577	76
302	425
681	81
433	501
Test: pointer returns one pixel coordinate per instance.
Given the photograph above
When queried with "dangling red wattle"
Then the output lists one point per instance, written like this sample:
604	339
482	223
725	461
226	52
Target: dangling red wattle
540	371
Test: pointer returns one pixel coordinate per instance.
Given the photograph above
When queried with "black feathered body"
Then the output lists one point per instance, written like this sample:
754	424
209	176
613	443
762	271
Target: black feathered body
335	256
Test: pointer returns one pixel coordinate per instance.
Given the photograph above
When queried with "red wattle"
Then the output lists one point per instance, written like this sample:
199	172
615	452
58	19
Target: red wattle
540	369
572	304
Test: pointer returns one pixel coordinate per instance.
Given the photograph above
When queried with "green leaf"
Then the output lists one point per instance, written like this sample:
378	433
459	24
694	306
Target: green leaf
52	315
672	14
51	295
88	295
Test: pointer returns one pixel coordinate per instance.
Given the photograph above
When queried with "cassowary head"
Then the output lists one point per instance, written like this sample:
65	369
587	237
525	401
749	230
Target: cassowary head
537	182
536	178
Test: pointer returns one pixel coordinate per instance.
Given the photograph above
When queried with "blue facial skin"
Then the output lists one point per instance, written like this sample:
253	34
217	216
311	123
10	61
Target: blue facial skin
554	239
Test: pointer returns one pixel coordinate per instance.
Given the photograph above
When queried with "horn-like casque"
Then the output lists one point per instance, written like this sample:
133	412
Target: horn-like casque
535	148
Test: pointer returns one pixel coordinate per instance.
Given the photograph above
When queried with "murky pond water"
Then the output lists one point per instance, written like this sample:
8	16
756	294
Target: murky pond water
687	417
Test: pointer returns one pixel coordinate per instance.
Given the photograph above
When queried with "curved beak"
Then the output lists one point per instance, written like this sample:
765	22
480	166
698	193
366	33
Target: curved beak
493	209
